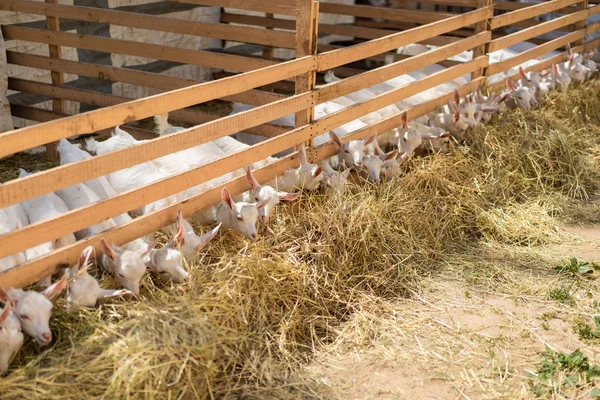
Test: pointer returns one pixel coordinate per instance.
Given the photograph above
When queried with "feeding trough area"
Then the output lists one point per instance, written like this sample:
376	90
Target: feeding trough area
180	121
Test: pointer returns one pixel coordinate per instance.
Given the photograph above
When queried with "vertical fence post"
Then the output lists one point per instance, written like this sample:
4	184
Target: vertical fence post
483	49
579	25
58	106
307	22
268	50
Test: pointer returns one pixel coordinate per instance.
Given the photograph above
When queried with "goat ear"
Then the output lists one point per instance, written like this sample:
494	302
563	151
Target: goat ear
84	258
178	238
6	311
391	155
456	97
569	52
107	250
56	243
284	196
207	237
149	248
489	109
588	55
302	154
262	203
571	60
522	73
57	287
251	179
404	119
545	73
456	116
370	139
317	171
335	139
227	198
511	85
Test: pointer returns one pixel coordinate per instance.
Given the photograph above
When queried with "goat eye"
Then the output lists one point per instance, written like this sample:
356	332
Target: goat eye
163	272
24	316
121	275
347	151
256	199
240	218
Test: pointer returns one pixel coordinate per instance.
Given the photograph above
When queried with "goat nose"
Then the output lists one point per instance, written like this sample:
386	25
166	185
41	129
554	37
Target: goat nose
47	338
264	219
253	236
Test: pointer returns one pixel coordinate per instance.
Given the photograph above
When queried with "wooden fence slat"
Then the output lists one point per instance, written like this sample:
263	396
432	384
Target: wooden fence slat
389	123
92	121
285	7
537	67
66	175
132	48
421	17
53	24
535	31
593	45
195	117
369	78
533	53
133	77
35	270
529	11
153	22
357	52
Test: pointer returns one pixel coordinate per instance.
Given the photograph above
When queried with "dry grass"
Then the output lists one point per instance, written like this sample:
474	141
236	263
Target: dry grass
254	312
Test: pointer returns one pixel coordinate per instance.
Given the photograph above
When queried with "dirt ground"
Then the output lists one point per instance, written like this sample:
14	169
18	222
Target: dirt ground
477	330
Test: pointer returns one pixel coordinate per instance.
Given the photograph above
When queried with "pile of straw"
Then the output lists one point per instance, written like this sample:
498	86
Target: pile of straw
253	312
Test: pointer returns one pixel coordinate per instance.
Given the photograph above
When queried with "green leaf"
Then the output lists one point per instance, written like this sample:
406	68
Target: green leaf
584	269
595	393
597	322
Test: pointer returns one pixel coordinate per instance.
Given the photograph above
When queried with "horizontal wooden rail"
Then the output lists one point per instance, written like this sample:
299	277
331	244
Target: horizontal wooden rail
66	175
535	31
529	11
285	7
373	47
35	234
35	270
133	77
546	64
153	22
592	45
533	53
389	123
132	48
92	121
381	74
512	6
195	117
421	17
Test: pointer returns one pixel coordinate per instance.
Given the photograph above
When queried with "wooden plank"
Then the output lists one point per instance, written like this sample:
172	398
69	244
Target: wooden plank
583	7
63	176
533	53
420	17
593	45
74	220
153	22
389	123
34	271
132	48
195	117
285	7
529	11
535	31
53	24
139	78
306	44
481	27
92	121
381	74
512	5
537	67
41	232
357	52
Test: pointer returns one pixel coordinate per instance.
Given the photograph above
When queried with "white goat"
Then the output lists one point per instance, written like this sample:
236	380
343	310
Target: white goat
193	243
261	193
34	309
11	335
9	221
84	289
334	180
521	96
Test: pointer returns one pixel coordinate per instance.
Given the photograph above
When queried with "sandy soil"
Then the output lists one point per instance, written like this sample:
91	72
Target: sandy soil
472	332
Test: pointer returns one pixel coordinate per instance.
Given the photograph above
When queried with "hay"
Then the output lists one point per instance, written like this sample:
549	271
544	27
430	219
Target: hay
253	312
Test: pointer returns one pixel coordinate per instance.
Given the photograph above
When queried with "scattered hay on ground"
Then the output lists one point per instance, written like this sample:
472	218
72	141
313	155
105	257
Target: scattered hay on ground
254	312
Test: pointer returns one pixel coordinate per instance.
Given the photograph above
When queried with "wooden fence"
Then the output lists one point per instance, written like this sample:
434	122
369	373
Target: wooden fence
453	33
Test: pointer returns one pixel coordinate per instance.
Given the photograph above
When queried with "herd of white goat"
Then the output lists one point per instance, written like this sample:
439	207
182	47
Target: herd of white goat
30	311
